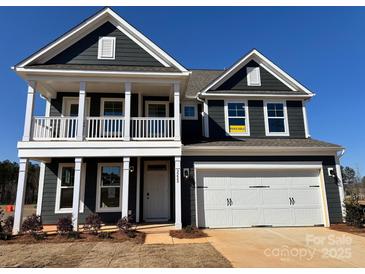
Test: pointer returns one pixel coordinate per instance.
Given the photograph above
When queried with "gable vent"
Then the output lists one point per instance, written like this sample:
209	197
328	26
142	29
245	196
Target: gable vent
253	76
106	48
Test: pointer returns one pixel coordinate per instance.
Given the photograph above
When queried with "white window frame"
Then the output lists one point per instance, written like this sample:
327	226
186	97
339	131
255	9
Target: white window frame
189	104
99	47
166	103
250	70
58	209
68	100
98	188
105	99
247	118
266	116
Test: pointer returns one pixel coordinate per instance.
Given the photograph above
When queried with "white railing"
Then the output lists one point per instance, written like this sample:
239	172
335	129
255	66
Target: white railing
152	128
54	128
100	128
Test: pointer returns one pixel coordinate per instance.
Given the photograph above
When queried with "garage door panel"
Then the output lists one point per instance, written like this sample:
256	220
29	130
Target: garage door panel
216	218
272	196
245	198
306	197
276	181
215	198
240	182
307	216
280	216
245	217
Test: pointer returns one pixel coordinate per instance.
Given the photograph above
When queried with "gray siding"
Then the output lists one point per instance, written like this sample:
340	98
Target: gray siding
50	183
257	120
85	51
191	130
188	190
238	81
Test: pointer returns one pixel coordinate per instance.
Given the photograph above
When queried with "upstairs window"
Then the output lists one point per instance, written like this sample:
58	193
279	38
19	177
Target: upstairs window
189	111
112	107
276	121
106	48
253	76
236	118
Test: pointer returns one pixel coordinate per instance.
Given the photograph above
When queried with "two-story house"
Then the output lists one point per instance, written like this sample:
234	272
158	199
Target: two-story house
129	131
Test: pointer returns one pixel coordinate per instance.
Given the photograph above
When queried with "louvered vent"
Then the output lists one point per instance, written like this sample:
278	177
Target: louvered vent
106	48
253	76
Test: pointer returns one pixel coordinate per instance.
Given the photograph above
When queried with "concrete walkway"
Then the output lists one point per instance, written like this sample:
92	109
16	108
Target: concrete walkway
289	247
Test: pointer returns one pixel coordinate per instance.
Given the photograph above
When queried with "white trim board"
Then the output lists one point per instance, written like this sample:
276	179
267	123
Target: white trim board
90	24
286	119
266	64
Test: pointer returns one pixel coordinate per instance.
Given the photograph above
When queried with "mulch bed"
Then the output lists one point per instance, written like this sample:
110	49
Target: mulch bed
348	229
183	234
117	236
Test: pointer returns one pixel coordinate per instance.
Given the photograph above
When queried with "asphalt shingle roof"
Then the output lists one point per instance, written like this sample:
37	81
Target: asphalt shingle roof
199	79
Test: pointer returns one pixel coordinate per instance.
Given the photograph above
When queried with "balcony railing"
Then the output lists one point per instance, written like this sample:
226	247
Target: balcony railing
103	128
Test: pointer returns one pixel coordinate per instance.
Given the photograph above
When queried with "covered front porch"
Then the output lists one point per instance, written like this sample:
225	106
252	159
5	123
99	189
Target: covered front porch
147	189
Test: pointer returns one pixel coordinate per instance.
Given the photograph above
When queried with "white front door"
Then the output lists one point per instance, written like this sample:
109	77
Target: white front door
156	191
237	198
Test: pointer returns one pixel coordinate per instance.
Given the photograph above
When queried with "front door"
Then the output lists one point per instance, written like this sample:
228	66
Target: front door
156	193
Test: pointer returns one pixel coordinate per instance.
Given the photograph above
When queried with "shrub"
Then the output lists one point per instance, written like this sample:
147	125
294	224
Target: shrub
73	235
64	225
32	223
127	227
39	235
188	232
354	212
92	223
105	235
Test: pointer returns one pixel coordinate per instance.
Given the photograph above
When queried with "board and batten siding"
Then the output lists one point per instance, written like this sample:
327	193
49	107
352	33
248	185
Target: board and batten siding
256	119
85	51
188	184
50	185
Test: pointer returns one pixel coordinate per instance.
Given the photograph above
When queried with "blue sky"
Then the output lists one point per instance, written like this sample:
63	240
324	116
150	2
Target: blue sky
321	47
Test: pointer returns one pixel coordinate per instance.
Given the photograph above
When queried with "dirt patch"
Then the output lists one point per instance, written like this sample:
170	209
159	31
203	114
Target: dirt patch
348	229
117	236
191	234
110	254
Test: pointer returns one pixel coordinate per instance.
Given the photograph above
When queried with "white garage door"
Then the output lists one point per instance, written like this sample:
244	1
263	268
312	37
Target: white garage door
243	198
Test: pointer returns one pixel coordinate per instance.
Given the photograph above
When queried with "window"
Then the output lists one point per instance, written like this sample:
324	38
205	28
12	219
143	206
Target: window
253	76
106	48
109	191
236	118
157	108
65	188
189	111
112	107
276	122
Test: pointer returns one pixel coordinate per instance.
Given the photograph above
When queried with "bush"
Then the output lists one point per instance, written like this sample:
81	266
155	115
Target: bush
92	223
354	212
39	235
105	235
64	225
73	235
127	227
32	224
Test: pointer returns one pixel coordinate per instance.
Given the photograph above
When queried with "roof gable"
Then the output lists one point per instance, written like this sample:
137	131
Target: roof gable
232	80
54	49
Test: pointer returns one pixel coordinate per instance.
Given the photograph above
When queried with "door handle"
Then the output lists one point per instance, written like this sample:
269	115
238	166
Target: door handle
293	200
227	202
290	201
230	202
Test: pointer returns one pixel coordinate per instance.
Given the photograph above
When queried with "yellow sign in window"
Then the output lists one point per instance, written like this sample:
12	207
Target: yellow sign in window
237	129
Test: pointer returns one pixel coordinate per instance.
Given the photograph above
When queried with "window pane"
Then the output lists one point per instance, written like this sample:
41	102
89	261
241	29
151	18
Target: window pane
110	176
236	109
74	110
66	197
189	111
275	110
276	125
113	108
109	197
156	110
67	178
237	125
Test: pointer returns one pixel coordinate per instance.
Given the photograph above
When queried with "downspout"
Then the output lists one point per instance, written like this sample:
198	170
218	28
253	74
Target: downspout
205	116
341	189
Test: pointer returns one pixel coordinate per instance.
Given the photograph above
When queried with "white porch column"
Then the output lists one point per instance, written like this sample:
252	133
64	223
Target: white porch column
20	195
125	186
127	111
81	115
29	111
178	223
76	194
177	110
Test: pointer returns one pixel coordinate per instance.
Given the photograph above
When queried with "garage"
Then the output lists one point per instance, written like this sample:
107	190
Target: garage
246	195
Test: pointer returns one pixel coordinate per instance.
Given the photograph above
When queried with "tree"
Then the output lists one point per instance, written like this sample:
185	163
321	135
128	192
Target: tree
348	175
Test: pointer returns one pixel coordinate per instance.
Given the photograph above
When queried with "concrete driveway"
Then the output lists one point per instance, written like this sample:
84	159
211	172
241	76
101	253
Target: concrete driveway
289	247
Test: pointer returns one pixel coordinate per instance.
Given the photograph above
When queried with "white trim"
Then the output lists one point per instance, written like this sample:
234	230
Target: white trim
262	166
138	191
252	96
106	99
177	112
305	119
249	72
206	118
68	100
341	189
29	109
267	64
266	117
59	210
42	172
226	118
98	187
20	194
100	50
189	104
125	186
178	222
105	15
147	103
